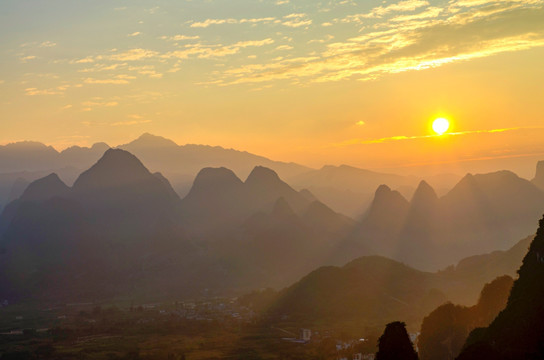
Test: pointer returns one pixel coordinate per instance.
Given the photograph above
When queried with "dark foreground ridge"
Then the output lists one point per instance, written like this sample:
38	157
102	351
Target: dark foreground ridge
518	331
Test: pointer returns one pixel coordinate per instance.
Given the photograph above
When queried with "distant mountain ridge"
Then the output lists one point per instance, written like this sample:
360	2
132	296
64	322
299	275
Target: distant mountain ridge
480	214
178	163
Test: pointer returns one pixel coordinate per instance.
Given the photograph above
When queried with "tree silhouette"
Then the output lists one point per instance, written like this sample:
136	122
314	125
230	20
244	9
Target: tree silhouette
395	344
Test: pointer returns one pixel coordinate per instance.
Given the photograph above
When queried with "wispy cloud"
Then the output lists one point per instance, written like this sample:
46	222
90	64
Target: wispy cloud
180	37
208	22
416	42
105	81
130	122
419	137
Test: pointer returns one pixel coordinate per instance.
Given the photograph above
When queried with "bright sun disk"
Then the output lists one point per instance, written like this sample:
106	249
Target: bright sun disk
441	125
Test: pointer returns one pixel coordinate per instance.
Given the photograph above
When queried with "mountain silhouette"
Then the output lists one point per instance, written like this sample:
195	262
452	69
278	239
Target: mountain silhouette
178	163
382	224
445	330
91	238
45	188
335	295
181	163
348	189
374	289
132	223
218	199
517	332
274	248
482	213
539	176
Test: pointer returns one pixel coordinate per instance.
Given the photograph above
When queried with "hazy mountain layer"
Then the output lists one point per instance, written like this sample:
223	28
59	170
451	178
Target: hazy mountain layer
480	214
374	290
349	190
226	235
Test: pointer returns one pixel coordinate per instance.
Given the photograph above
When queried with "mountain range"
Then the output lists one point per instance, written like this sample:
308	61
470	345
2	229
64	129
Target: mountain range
345	189
121	230
480	214
118	218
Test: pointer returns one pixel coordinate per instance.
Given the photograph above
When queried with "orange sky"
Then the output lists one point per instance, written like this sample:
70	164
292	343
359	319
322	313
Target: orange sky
311	82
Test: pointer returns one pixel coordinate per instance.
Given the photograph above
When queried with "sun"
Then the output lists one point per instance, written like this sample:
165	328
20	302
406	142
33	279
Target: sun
441	125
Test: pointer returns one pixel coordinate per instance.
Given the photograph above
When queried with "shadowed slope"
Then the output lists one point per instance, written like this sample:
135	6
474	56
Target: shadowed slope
518	331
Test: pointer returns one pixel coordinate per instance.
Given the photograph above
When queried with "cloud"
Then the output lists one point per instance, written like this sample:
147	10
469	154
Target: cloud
25	59
381	11
296	20
47	44
134	55
99	103
402	6
35	91
105	81
136	33
208	22
130	122
284	47
409	44
210	51
418	137
180	37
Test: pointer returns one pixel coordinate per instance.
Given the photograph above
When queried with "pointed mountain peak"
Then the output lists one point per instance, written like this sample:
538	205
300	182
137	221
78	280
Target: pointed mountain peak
152	141
45	188
261	175
209	178
468	182
539	177
116	168
424	194
282	208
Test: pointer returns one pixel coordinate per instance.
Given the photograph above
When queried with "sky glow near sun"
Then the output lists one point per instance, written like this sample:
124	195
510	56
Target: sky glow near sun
300	74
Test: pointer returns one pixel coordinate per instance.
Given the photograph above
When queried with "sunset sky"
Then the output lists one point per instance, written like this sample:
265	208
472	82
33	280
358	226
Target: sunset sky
315	82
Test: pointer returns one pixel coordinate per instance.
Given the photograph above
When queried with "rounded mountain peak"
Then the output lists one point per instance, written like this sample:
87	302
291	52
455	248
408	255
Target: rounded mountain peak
116	168
261	175
215	177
